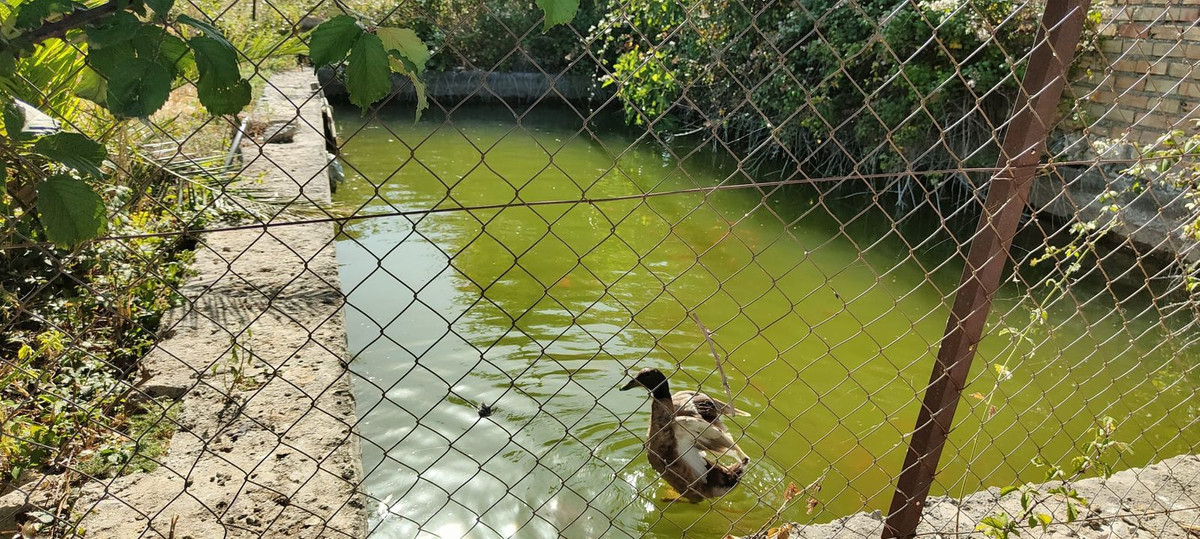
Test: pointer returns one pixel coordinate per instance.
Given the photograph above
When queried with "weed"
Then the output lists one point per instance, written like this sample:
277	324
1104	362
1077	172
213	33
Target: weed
236	374
137	446
1093	458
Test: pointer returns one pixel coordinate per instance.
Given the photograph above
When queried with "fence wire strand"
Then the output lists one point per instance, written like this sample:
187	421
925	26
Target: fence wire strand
426	334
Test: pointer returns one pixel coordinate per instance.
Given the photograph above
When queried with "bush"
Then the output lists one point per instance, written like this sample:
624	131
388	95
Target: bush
893	84
504	35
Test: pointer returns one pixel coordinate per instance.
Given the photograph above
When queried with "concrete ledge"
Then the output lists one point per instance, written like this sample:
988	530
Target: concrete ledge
265	443
1159	501
1153	217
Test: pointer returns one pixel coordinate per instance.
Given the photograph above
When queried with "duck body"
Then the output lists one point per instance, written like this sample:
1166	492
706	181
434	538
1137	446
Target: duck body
683	428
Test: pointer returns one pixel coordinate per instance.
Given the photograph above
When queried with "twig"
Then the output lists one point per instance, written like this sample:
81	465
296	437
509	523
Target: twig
717	357
792	493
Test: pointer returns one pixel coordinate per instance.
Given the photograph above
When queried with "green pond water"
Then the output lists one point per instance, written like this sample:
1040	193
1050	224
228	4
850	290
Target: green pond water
830	318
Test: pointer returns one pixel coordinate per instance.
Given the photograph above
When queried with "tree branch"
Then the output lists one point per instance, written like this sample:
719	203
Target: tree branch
71	21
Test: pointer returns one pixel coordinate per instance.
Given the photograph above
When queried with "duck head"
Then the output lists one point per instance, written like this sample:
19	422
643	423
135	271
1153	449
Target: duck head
653	380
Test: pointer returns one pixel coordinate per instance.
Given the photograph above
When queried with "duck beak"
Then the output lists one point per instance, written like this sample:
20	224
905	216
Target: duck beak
632	384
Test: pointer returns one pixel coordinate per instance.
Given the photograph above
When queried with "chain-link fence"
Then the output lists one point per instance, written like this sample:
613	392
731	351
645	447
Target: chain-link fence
938	257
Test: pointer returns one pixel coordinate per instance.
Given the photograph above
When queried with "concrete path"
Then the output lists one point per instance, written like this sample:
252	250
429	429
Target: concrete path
269	452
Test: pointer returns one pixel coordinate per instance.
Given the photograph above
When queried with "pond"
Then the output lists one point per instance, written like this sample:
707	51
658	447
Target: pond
829	314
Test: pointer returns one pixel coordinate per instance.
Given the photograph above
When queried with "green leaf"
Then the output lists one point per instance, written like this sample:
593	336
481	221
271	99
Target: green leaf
116	28
333	39
8	62
223	99
137	90
1008	490
1044	520
404	43
207	29
31	14
221	89
75	151
1072	513
161	7
558	11
155	44
92	86
216	61
14	120
70	210
111	59
422	102
368	75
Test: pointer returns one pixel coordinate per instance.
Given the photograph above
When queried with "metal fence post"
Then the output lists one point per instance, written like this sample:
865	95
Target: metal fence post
1024	143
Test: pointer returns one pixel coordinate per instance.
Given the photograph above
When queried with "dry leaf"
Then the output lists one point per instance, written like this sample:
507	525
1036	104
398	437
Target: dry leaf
812	504
978	396
791	492
991	411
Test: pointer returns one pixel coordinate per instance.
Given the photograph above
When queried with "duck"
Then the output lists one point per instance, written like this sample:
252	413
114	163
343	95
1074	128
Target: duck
683	428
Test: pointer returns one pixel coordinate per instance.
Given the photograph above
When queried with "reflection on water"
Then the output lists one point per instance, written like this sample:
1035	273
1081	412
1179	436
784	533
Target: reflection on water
829	323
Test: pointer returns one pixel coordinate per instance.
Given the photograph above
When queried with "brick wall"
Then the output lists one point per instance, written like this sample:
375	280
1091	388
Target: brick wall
1143	79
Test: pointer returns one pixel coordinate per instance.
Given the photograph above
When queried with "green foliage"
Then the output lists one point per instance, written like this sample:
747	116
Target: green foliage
1095	456
373	56
236	373
500	35
557	12
70	349
221	89
889	81
73	150
138	441
333	39
368	72
69	210
137	88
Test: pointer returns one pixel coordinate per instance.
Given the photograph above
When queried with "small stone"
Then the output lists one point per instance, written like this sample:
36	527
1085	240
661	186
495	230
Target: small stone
280	132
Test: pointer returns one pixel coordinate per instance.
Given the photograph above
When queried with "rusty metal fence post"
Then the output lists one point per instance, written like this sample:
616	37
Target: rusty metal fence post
1021	151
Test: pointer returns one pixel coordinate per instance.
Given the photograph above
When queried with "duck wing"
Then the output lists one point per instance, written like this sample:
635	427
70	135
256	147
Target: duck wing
707	435
703	406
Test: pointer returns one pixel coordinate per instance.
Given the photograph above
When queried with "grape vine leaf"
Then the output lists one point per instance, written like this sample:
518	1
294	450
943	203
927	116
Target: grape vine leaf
407	54
333	39
404	42
116	28
138	89
74	151
70	211
368	72
154	43
221	88
91	86
558	12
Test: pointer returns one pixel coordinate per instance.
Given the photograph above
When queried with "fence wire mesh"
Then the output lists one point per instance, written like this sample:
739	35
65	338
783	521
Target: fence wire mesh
312	320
